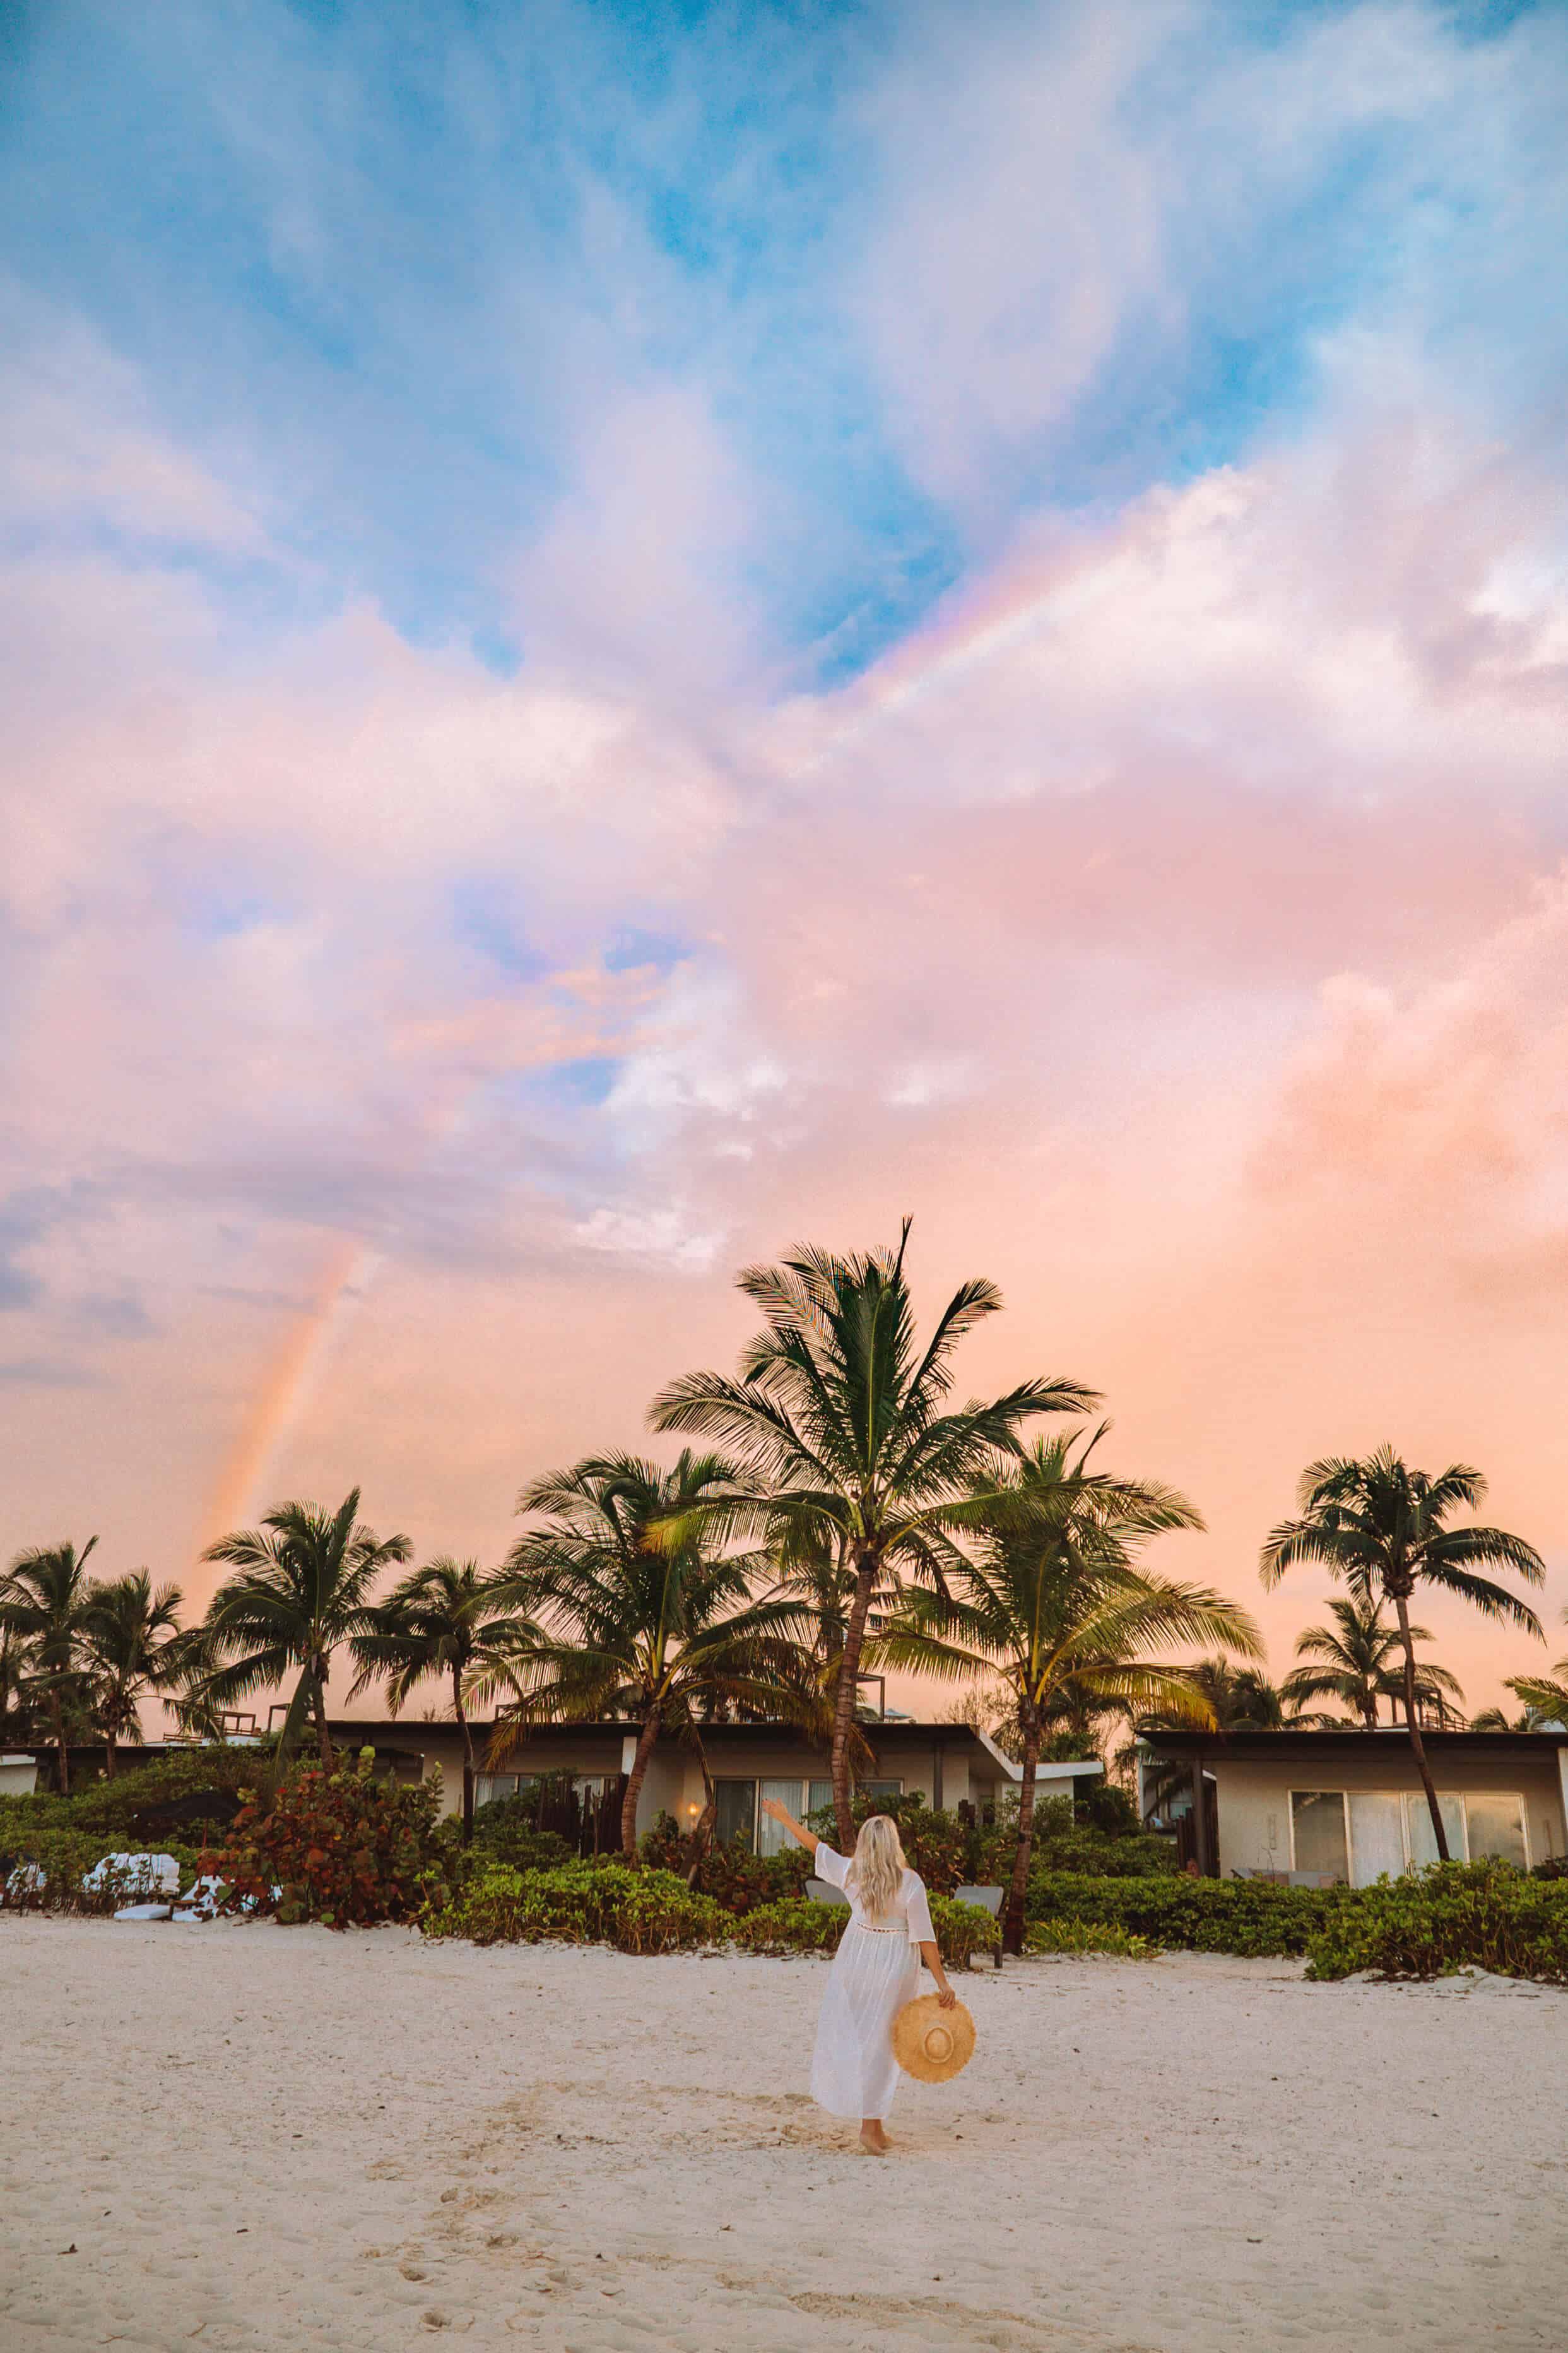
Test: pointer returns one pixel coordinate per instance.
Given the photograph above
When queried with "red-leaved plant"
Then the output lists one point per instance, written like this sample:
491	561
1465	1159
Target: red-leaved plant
342	1849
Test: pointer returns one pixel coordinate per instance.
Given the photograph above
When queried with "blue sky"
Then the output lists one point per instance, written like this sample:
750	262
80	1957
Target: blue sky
382	272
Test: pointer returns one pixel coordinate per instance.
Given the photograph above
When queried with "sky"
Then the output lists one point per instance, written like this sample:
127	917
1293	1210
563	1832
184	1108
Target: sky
633	634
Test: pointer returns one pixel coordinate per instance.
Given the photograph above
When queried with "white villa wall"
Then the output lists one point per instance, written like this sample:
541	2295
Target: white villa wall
1255	1798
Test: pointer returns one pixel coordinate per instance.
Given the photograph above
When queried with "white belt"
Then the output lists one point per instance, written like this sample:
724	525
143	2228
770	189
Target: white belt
869	1931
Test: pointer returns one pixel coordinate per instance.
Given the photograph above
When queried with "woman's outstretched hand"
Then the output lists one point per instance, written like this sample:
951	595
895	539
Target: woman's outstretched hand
775	1812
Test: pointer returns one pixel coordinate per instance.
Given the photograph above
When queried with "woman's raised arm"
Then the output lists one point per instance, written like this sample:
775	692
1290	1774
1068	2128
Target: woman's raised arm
797	1831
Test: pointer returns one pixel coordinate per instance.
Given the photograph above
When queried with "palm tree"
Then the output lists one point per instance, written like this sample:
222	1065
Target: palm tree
1545	1698
643	1614
304	1588
1353	1662
1381	1526
1048	1597
133	1641
447	1618
841	1423
44	1602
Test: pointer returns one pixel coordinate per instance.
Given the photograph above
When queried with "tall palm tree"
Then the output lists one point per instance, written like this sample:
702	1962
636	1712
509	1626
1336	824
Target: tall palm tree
447	1618
44	1602
304	1588
1354	1661
631	1609
1382	1527
1048	1594
135	1643
841	1423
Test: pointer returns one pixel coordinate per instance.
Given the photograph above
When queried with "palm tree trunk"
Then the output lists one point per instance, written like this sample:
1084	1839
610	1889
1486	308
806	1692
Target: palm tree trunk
645	1740
318	1710
1013	1923
866	1568
467	1756
61	1743
1418	1746
108	1748
701	1838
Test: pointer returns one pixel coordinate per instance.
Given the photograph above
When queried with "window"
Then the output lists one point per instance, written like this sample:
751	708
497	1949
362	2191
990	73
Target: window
772	1837
1377	1835
1497	1826
883	1789
1318	1831
1422	1846
736	1816
817	1793
489	1786
1360	1834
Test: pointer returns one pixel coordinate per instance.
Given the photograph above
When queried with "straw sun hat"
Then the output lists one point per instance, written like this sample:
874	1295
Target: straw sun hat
932	2043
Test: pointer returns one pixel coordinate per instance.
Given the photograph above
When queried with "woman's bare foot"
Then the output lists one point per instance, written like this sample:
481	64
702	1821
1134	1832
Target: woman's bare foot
873	2139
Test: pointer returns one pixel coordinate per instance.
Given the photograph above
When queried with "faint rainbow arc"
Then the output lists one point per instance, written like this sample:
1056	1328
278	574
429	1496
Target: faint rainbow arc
969	638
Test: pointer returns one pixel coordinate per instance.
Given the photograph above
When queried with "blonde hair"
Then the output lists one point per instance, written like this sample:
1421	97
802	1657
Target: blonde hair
879	1866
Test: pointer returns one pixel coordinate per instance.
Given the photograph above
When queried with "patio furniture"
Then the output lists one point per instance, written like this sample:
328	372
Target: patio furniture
822	1891
989	1900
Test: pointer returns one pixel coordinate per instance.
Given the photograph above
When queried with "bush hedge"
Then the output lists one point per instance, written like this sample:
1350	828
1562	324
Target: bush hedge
581	1904
1248	1917
793	1925
1087	1936
1452	1915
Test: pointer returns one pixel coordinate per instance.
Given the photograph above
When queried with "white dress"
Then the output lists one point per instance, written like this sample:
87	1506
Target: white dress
875	1971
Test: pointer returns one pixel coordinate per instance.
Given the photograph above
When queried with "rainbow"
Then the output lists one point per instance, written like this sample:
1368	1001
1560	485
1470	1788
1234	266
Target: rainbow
973	631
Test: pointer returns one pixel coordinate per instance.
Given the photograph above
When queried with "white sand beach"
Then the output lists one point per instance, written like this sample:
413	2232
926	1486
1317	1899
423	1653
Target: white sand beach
244	2136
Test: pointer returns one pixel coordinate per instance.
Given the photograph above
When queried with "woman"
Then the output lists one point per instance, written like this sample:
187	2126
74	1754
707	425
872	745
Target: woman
876	1970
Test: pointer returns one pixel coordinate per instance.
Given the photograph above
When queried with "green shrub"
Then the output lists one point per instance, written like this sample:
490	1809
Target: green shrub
791	1925
344	1849
116	1805
1249	1916
1087	1936
582	1903
503	1833
1452	1915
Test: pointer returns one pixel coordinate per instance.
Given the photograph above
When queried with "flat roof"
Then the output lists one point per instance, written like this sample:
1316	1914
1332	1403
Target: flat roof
342	1728
1296	1748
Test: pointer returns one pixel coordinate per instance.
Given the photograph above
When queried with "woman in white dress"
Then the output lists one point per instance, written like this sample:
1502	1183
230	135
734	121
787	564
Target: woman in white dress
876	1970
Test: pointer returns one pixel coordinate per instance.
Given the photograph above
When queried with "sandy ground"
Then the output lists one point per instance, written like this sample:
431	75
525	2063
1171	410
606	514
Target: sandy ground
249	2136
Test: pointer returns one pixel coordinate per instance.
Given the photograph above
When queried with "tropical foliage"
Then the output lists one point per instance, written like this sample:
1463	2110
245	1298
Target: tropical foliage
846	1443
632	1608
1384	1529
341	1848
1481	1915
1357	1661
450	1620
46	1598
1048	1597
305	1586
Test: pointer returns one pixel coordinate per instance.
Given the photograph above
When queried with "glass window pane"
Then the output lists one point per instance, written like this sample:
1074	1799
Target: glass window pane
1318	1819
737	1810
772	1837
1377	1835
484	1789
1418	1823
883	1789
1497	1826
819	1793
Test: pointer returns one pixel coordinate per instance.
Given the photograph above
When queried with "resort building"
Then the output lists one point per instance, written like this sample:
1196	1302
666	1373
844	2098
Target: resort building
947	1764
1317	1807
